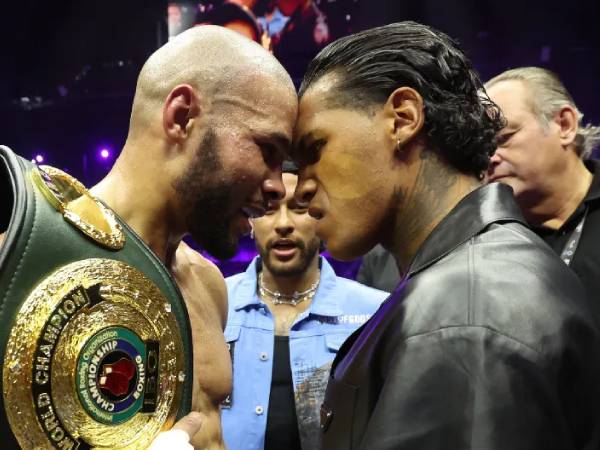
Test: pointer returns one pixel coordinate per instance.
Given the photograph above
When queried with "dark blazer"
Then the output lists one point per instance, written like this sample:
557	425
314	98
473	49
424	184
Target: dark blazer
487	343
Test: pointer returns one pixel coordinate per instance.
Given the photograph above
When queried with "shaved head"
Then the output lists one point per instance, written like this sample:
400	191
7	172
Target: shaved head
212	119
213	60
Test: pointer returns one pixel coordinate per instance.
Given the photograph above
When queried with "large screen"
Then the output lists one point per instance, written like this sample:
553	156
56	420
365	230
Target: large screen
293	30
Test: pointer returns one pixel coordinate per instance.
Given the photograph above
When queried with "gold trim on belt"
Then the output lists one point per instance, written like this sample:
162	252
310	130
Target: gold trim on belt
94	360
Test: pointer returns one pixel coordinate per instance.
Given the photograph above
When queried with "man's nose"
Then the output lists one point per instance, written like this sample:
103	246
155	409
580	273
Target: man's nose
283	222
305	190
273	187
495	158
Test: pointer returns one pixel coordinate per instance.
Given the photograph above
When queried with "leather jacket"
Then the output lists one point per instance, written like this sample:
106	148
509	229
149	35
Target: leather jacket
487	343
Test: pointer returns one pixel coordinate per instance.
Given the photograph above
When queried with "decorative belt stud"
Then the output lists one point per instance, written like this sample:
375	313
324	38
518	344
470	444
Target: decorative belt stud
79	207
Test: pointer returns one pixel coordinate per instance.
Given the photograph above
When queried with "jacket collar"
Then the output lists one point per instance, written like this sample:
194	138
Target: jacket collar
594	192
482	207
325	302
591	197
246	291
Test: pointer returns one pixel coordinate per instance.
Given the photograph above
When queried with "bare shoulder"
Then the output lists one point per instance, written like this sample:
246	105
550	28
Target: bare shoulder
186	256
198	277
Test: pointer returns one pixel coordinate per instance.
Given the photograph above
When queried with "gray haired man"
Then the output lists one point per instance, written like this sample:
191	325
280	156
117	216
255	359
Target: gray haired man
543	155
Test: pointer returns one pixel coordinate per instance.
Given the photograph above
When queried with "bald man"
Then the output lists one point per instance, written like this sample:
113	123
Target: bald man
211	119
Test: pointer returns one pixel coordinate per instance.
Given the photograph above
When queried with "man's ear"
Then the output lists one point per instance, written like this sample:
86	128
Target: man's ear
405	107
179	110
568	121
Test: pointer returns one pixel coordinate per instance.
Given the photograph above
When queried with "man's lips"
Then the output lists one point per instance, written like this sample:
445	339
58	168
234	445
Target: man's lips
496	177
284	248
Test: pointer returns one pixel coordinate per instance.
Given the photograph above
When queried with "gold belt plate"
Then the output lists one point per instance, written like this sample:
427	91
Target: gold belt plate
79	207
94	360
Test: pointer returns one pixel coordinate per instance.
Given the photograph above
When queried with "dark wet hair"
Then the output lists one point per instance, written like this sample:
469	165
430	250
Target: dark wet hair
461	122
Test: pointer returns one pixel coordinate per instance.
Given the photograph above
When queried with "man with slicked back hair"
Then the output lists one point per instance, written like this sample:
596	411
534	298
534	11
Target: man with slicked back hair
487	342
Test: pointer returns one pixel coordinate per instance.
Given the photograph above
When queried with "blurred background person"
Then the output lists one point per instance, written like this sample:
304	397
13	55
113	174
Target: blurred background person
288	315
544	155
235	16
70	70
270	17
304	34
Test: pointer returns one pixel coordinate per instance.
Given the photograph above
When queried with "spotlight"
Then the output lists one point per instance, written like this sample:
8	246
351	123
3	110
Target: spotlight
104	153
39	158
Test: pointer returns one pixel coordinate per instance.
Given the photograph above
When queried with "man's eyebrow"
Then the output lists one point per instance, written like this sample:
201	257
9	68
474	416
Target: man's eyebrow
279	139
305	139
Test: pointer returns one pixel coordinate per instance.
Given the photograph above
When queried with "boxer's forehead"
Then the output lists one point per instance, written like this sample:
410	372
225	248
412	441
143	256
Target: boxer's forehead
263	102
310	125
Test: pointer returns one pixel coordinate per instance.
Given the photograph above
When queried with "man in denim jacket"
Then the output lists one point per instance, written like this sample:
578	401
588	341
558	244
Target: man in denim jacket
288	315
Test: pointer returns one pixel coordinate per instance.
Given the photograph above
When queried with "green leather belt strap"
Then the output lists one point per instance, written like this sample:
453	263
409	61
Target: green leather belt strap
38	241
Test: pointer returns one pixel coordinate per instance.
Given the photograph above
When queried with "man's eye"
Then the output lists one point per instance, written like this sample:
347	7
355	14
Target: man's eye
271	154
315	150
504	138
311	154
272	207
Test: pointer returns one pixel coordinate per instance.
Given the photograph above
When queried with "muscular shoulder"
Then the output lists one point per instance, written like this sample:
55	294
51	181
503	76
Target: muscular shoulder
187	257
199	278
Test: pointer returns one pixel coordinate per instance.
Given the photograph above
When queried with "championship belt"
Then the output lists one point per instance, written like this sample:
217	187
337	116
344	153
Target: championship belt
95	340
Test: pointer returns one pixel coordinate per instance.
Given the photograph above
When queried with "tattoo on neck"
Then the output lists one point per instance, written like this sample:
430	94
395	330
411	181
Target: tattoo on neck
425	205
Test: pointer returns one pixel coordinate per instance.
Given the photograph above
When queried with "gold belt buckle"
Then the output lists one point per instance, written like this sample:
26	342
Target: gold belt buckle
94	360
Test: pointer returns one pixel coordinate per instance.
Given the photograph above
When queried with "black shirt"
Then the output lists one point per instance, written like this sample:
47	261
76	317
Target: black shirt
282	425
586	262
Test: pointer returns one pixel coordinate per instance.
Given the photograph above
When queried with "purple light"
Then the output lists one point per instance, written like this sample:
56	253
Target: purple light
39	158
104	153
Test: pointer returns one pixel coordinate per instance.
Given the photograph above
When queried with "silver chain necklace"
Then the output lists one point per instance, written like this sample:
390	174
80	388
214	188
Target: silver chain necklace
286	299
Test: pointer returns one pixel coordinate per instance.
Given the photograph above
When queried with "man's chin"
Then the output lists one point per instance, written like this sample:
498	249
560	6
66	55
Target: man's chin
285	268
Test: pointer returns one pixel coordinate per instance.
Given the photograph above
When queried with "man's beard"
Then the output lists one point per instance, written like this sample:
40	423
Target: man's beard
306	255
206	188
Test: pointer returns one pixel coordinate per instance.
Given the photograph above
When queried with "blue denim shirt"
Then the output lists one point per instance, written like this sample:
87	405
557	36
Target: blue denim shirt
275	24
338	308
